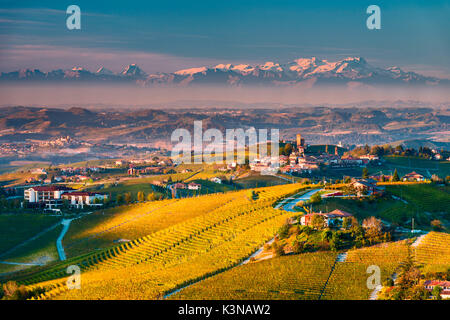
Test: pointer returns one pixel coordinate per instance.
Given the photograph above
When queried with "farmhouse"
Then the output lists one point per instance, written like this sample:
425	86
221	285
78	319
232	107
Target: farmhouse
194	186
80	199
332	219
445	285
413	176
48	196
179	185
216	180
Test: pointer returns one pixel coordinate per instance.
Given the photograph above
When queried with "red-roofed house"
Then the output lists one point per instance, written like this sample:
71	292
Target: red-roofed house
413	176
48	196
445	285
332	219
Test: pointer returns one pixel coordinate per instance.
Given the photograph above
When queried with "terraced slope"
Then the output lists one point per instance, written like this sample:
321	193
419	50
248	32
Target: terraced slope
194	248
434	252
349	279
286	278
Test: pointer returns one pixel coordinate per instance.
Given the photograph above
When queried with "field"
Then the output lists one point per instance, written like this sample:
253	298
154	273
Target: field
349	279
41	251
301	276
102	229
424	197
185	250
424	203
405	165
16	228
134	185
434	252
178	249
256	180
284	278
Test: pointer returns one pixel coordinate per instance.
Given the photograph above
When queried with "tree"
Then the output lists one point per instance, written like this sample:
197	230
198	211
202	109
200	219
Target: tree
151	197
141	196
12	291
349	222
335	242
395	176
436	225
284	231
316	198
326	235
127	198
277	249
287	149
318	221
365	173
373	227
119	199
436	292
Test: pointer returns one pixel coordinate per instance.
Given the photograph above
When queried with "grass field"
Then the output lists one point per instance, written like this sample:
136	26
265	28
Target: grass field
424	203
41	250
257	180
405	165
16	228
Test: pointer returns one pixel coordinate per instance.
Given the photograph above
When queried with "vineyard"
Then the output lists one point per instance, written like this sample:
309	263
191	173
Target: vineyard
434	252
301	276
102	229
286	278
152	265
178	249
348	280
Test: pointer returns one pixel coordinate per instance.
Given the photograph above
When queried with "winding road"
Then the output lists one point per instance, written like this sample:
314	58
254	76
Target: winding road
289	206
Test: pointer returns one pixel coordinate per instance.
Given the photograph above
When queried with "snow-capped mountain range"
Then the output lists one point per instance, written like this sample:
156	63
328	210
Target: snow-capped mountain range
312	71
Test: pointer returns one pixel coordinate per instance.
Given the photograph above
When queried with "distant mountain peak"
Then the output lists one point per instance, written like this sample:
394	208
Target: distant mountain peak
104	71
320	71
133	70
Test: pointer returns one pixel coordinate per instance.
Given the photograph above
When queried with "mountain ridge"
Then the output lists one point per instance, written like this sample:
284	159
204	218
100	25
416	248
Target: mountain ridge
309	71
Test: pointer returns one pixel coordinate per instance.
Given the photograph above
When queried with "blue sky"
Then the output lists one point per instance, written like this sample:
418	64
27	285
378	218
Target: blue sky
170	35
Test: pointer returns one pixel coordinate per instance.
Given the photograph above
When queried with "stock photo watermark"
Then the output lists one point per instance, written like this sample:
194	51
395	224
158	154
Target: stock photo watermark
73	22
374	280
74	280
236	147
373	22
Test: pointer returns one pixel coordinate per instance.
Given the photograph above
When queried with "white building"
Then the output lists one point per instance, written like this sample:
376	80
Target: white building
49	196
216	180
79	199
194	186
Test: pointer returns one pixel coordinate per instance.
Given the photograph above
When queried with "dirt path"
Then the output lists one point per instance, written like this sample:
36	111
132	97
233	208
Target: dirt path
22	263
59	246
341	258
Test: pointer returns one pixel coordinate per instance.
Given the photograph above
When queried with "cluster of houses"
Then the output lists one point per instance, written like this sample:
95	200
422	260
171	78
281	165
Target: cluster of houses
300	162
67	174
52	197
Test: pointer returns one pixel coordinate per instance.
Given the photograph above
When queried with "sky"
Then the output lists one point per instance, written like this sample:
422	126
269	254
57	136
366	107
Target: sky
165	36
